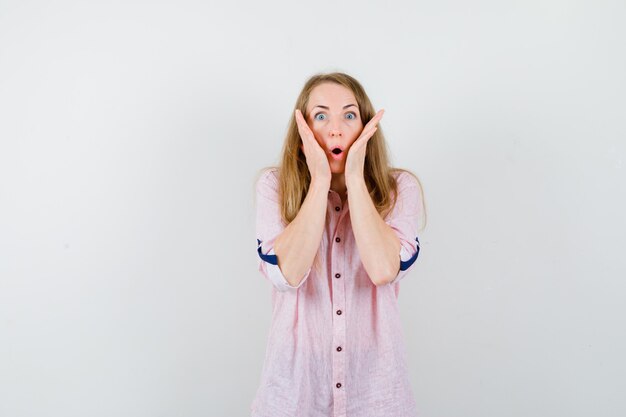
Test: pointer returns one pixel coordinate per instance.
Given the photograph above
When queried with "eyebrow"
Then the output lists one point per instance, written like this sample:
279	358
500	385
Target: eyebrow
326	107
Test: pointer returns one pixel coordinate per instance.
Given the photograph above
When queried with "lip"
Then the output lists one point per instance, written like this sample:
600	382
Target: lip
337	157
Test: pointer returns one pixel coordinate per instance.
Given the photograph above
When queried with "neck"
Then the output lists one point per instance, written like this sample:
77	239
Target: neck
338	184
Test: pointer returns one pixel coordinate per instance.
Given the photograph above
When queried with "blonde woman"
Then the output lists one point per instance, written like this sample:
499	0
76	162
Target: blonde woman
336	232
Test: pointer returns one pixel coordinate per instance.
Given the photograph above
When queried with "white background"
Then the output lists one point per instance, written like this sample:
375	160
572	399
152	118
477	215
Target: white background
130	137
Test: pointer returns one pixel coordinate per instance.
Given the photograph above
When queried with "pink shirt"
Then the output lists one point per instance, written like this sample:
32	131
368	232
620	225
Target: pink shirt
335	345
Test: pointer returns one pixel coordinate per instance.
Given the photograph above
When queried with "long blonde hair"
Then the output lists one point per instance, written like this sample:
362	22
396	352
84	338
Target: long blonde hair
294	177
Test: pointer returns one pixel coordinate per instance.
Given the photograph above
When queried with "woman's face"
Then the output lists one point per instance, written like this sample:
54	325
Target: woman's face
334	118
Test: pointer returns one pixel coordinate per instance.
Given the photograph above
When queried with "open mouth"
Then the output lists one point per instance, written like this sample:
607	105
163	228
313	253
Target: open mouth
336	154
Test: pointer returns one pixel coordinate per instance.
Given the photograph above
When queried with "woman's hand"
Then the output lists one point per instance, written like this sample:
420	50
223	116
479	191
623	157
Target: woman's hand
316	158
355	161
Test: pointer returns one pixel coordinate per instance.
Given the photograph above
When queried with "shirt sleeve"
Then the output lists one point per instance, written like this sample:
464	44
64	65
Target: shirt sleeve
404	219
269	225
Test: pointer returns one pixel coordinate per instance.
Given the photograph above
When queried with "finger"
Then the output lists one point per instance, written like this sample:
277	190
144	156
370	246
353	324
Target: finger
300	119
299	116
306	133
303	128
374	120
363	138
367	133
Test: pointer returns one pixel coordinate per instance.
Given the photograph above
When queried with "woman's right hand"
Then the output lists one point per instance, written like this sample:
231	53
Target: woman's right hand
316	158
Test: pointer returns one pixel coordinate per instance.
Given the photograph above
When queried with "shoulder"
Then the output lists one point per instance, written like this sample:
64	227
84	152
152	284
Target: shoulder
266	184
405	179
268	177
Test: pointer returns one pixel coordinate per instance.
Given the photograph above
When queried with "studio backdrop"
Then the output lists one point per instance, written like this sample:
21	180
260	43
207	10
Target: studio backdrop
131	136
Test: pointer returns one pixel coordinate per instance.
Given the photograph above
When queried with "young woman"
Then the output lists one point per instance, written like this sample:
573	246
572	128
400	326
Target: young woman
336	232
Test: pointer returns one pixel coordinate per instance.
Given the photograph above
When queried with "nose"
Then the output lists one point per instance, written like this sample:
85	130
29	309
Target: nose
334	132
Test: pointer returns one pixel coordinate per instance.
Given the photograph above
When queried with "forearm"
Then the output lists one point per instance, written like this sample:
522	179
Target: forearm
378	245
298	244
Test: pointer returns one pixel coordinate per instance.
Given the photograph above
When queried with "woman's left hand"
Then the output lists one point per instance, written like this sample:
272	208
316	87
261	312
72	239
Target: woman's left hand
355	161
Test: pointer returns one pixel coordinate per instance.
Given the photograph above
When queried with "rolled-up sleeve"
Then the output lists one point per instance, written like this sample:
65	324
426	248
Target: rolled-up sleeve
405	219
269	225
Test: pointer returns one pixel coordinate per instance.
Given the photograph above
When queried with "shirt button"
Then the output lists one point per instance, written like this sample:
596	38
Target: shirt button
338	385
337	208
337	239
337	275
339	312
338	348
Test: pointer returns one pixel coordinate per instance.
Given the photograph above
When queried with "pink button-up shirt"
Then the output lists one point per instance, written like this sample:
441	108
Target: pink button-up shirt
335	345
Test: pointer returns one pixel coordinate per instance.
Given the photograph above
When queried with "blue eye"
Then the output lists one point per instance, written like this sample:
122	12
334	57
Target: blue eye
353	116
319	114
